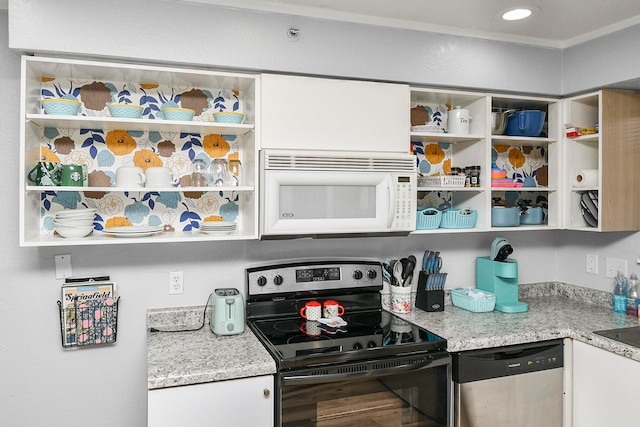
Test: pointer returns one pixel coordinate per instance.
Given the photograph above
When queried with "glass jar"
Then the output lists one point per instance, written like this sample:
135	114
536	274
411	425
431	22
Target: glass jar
199	173
235	172
219	172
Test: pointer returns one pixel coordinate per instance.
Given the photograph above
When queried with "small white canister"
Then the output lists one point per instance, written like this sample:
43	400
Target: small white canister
458	121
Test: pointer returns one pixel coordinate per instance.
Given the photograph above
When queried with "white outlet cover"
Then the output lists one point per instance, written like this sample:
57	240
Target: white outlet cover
615	265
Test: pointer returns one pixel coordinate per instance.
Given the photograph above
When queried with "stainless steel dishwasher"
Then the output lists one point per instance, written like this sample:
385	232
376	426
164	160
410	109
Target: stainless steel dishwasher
519	385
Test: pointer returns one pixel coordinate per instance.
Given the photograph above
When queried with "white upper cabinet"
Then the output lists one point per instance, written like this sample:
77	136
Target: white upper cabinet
103	144
308	113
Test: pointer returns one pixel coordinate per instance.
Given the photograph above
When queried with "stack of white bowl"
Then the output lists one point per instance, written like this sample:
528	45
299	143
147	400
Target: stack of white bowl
74	222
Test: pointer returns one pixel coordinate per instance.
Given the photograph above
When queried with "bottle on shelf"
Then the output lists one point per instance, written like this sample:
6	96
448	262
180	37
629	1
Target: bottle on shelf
620	293
632	297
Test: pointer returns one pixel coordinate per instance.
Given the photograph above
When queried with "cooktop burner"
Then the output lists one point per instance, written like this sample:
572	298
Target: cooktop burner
277	293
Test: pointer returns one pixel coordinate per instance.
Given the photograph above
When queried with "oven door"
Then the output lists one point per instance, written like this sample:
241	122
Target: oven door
409	390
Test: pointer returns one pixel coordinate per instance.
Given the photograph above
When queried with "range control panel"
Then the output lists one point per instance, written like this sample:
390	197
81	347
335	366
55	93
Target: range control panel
305	276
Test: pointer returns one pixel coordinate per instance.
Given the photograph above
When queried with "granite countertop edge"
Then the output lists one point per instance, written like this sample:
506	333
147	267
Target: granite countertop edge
556	310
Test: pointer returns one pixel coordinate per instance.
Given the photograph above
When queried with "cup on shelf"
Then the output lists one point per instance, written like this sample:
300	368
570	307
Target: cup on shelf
130	176
160	177
72	176
219	171
44	173
199	175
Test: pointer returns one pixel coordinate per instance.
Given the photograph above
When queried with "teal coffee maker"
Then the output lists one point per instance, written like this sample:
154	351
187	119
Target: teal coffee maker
499	275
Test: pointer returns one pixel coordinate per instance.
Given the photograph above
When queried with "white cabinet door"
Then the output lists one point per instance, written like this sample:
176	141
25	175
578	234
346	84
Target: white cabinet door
241	402
330	114
605	388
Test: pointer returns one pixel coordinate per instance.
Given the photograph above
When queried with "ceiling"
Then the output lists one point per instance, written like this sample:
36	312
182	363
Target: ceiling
558	23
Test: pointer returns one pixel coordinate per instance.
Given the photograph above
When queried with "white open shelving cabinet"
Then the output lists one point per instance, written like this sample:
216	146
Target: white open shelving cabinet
613	152
35	125
476	148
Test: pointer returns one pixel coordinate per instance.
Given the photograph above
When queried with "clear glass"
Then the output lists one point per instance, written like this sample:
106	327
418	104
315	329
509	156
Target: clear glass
199	173
235	172
219	172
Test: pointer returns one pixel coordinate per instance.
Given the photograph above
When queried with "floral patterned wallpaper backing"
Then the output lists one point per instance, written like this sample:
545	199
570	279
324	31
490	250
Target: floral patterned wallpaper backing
104	151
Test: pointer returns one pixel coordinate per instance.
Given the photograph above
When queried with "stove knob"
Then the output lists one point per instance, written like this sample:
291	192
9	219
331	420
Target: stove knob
357	274
371	344
278	280
262	281
371	274
357	346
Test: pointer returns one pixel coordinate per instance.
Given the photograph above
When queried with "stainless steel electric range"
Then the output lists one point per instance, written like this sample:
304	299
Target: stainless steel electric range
376	369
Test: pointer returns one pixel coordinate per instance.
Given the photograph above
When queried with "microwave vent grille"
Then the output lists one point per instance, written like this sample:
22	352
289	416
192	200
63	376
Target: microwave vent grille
347	163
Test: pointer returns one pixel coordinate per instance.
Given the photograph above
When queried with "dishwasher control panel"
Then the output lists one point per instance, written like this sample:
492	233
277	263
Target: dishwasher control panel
476	365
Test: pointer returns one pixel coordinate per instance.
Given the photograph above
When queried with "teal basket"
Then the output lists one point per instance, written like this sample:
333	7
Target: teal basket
459	218
428	219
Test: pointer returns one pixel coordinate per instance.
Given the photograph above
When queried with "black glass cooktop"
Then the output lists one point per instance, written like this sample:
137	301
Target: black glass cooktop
366	334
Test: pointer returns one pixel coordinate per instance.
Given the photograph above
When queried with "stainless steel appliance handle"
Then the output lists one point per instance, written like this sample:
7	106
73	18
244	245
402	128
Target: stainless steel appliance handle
329	378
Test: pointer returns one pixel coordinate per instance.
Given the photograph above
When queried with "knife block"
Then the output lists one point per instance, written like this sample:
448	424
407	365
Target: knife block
428	300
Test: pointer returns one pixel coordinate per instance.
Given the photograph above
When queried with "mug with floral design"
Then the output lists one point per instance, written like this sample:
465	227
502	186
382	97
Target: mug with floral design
44	173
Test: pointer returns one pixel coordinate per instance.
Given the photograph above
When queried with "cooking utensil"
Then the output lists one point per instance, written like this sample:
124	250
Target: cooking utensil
408	273
397	273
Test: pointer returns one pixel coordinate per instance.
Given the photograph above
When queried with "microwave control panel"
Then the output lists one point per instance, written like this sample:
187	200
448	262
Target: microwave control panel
404	216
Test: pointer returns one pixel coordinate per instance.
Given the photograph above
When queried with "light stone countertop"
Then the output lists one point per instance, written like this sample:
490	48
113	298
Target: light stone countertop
556	310
194	357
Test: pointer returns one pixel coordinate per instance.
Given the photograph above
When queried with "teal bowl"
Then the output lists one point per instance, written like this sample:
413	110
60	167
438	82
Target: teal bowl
228	117
61	107
125	111
182	114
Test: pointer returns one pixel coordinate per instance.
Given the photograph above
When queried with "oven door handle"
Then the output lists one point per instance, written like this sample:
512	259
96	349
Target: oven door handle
329	378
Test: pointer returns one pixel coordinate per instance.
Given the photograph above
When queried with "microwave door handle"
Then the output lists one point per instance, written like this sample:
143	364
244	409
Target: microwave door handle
392	199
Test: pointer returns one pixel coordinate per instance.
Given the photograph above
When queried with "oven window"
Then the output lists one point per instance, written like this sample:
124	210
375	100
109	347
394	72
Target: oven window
415	398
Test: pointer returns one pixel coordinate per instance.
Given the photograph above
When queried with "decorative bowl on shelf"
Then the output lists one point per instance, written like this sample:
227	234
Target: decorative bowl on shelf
182	114
224	117
125	111
61	107
71	232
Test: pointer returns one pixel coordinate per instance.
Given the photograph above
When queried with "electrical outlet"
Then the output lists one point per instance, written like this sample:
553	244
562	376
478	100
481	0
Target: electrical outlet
592	264
613	265
176	282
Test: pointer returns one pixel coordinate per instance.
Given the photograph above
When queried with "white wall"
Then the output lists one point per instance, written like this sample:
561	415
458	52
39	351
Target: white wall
41	384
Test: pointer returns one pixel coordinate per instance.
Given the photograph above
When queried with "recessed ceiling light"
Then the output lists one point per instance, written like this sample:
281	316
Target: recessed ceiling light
517	14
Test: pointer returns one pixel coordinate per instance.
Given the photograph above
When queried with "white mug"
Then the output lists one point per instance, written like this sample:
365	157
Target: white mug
130	176
159	177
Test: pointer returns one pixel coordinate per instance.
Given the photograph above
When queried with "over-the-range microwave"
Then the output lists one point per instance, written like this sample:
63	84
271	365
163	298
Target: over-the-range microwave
325	194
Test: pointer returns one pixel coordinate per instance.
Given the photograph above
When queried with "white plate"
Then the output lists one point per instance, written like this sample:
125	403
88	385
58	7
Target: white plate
217	231
217	225
133	230
334	322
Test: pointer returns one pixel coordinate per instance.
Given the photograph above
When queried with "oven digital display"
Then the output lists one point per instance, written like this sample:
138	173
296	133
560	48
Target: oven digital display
317	274
404	179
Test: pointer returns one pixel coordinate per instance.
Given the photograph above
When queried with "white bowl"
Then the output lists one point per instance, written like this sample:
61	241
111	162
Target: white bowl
73	224
74	232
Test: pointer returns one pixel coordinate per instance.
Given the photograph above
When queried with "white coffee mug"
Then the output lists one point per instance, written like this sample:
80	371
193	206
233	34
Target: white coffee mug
130	176
159	177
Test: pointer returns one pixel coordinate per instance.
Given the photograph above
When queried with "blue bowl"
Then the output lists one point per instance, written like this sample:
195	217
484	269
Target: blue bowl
223	117
125	111
61	107
182	114
525	123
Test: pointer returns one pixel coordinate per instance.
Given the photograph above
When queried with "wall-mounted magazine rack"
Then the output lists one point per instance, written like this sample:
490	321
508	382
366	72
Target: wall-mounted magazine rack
88	314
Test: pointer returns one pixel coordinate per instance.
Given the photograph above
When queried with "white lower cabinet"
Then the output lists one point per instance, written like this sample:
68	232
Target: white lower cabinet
241	402
605	388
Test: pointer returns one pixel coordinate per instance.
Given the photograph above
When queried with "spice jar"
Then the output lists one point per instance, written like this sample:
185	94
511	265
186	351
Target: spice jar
474	172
